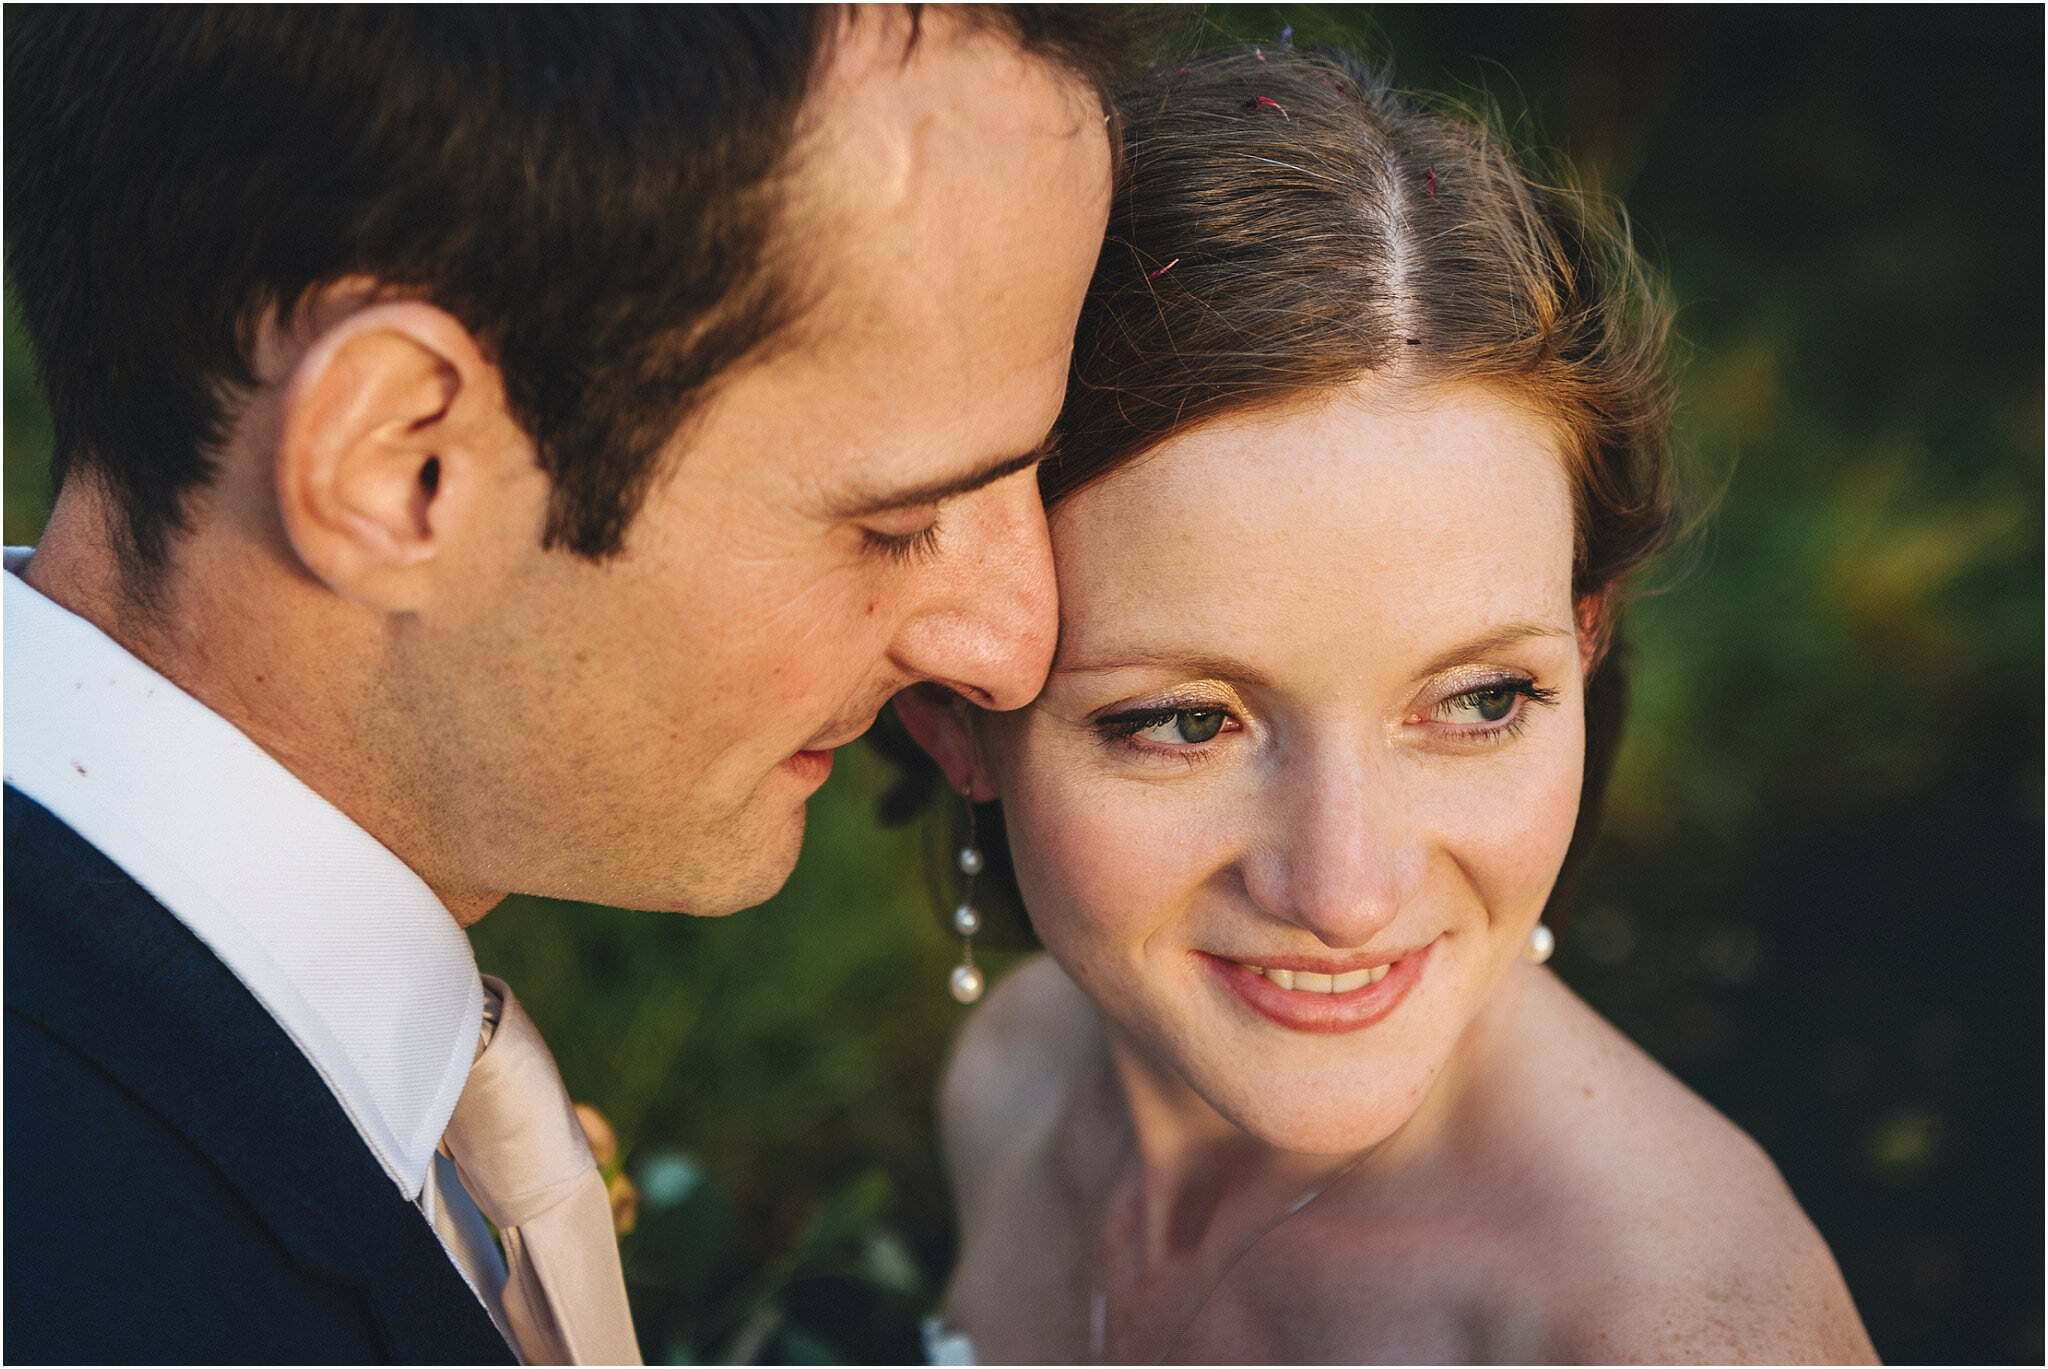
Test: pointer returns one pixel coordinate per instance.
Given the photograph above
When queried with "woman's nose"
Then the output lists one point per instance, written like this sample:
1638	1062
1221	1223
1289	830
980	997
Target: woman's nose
1343	857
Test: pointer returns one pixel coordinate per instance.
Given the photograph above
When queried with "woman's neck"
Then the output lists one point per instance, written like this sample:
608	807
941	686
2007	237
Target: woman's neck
1200	1176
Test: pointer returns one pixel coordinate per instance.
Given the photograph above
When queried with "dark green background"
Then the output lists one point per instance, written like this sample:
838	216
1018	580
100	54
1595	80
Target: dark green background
1818	897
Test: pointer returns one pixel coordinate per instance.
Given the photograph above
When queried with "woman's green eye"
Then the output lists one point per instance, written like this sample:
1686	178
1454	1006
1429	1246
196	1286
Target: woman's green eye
1492	704
1179	726
1491	712
1480	706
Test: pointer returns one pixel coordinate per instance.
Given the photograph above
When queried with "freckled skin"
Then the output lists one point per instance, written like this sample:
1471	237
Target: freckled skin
1523	1184
1378	532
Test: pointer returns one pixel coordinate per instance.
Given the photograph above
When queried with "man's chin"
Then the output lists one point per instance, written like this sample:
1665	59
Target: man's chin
748	870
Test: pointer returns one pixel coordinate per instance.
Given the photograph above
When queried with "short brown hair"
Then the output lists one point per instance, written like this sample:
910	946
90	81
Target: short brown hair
1287	222
593	192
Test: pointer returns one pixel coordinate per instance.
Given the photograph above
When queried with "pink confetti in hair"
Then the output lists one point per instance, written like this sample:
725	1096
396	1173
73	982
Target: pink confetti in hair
1157	272
1268	102
1429	183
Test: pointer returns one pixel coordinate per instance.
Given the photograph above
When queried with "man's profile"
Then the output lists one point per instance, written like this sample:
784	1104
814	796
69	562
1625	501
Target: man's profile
499	450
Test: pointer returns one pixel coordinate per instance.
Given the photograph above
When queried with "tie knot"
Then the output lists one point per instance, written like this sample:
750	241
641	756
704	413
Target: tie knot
514	1136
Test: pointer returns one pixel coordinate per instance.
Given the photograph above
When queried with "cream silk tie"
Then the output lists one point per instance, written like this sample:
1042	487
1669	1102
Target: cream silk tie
522	1156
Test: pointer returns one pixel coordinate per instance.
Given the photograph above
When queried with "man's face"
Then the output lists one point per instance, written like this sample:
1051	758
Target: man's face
645	732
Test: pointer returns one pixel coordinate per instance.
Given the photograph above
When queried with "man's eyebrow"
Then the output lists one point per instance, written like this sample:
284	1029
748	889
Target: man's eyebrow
865	504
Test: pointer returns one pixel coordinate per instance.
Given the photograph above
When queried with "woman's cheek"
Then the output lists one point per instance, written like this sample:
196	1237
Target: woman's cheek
1513	844
1102	860
1080	858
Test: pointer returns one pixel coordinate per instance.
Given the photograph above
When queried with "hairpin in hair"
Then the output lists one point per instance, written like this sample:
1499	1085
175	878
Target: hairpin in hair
1429	183
1266	102
1157	272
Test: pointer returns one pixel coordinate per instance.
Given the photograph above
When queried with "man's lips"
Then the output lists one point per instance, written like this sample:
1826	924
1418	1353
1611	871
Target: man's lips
814	762
832	741
814	766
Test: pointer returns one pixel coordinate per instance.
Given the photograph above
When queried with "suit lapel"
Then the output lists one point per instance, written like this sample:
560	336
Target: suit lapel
123	982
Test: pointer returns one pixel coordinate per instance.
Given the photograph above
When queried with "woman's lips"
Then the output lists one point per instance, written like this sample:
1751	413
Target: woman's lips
1309	1010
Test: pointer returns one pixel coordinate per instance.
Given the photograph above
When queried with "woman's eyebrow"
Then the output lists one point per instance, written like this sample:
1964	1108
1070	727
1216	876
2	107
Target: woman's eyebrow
1194	663
1498	639
1219	667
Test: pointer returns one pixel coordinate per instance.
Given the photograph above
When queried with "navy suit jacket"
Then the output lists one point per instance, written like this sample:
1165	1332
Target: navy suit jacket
181	1185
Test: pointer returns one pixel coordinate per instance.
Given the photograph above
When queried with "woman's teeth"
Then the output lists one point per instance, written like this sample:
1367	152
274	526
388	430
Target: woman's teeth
1310	982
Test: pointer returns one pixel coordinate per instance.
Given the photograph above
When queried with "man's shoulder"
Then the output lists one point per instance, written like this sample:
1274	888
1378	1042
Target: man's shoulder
93	957
126	1238
125	1243
77	926
172	1153
41	849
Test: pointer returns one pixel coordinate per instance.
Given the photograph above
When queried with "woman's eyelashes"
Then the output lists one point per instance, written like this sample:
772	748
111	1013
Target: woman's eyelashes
1179	729
1490	712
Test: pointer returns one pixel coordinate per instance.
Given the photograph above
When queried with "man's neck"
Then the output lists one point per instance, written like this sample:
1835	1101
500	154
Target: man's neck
75	568
306	721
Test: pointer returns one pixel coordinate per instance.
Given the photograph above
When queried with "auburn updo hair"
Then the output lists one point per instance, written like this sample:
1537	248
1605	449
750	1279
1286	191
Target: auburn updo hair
1287	221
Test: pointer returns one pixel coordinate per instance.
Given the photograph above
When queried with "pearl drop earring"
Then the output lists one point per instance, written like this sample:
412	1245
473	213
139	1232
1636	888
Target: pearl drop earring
1542	941
966	982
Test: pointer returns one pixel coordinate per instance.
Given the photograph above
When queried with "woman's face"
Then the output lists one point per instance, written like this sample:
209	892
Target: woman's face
1316	709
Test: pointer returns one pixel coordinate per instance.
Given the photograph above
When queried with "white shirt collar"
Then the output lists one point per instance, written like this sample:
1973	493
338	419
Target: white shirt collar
345	946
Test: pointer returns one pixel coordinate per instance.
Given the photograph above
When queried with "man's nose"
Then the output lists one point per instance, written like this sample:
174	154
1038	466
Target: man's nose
991	614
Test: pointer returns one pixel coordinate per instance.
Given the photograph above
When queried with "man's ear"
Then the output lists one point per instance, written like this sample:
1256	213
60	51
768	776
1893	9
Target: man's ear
942	723
392	424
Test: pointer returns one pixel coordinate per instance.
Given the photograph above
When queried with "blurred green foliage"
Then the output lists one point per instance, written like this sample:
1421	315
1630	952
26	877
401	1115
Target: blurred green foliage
1817	895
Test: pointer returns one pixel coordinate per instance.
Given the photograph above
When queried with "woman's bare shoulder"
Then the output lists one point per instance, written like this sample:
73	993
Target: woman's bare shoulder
1745	1280
1010	1070
1597	1211
1665	1232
